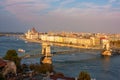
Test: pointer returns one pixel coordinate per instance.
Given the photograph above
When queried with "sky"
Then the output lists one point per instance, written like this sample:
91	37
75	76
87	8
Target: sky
60	15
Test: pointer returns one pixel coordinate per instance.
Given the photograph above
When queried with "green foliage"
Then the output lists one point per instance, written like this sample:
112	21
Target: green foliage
115	43
23	66
46	68
10	54
1	77
59	74
43	68
32	67
84	76
13	56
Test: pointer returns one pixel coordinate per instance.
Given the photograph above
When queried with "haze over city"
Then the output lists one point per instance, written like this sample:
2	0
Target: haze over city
60	15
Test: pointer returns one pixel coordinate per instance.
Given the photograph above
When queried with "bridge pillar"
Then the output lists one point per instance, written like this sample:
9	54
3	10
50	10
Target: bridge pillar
46	51
107	51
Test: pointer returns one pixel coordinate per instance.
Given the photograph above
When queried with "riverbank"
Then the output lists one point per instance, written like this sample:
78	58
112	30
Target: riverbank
77	47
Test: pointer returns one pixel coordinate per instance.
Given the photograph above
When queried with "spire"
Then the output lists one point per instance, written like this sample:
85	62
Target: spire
33	30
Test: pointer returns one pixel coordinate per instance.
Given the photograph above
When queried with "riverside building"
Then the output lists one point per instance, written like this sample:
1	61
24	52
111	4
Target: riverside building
59	38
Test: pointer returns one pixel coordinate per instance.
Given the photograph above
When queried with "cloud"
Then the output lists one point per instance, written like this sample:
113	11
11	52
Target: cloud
65	2
84	13
79	19
33	9
93	5
111	1
25	10
62	17
27	4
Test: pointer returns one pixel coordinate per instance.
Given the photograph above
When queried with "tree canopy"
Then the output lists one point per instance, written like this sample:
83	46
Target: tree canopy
13	56
84	76
43	68
115	43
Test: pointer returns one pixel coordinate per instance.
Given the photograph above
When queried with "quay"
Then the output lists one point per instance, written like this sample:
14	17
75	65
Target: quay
62	44
116	51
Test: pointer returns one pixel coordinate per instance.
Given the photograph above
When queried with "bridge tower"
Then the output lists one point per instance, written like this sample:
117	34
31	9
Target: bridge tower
46	51
107	51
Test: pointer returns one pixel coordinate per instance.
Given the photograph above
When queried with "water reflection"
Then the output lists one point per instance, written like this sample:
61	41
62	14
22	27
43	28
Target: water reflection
106	68
106	63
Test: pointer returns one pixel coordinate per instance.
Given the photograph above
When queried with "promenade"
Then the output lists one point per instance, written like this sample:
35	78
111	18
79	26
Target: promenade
62	44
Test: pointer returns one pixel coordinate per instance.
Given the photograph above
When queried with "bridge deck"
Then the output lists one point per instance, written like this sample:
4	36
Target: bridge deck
61	52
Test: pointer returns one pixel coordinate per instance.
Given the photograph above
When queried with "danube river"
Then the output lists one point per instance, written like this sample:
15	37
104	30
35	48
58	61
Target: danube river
71	64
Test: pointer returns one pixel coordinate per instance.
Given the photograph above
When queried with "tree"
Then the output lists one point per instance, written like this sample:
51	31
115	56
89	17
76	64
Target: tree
84	76
43	68
1	77
115	43
13	56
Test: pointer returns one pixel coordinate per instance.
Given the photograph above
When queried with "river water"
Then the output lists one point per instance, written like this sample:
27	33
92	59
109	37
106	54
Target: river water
71	64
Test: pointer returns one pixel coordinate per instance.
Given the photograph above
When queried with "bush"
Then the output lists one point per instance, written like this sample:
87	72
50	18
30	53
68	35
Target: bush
1	77
84	76
46	68
115	43
32	66
43	68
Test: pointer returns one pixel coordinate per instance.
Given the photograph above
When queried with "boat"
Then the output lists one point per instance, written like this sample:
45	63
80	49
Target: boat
26	42
21	50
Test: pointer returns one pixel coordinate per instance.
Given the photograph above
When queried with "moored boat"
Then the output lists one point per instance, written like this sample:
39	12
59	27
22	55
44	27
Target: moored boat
21	50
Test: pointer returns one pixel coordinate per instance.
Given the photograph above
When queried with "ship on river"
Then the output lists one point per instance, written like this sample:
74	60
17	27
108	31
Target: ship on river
21	50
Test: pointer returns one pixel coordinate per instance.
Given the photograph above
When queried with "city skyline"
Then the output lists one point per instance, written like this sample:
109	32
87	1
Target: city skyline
60	15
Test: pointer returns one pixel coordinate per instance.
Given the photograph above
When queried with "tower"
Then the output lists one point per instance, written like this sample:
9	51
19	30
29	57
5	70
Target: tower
46	51
107	51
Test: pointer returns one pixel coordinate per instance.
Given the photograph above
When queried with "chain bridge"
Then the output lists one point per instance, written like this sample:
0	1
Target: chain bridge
47	54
